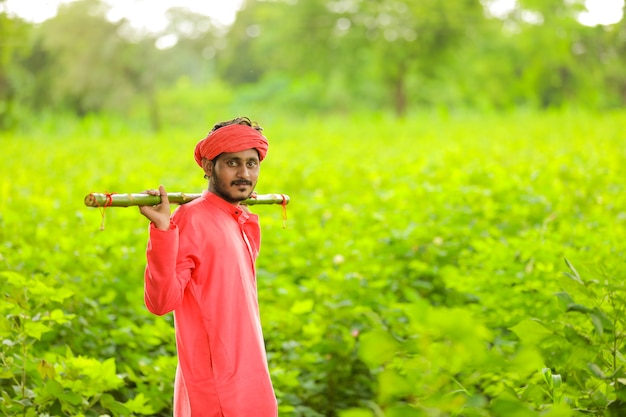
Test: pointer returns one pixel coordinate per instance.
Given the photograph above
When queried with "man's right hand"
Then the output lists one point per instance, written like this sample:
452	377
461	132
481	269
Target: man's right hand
159	214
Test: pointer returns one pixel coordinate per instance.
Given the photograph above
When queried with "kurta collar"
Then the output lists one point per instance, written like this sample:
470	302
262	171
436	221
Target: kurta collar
236	212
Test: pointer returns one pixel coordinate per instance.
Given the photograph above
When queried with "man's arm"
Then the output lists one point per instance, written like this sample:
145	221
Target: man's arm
163	285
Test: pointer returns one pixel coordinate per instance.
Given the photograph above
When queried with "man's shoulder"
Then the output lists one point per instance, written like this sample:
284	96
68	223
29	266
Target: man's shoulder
192	208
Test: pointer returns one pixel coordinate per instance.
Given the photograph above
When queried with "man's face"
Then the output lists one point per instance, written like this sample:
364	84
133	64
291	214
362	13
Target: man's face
234	175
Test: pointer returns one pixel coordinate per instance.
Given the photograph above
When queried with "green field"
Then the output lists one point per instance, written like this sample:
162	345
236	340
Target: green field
422	270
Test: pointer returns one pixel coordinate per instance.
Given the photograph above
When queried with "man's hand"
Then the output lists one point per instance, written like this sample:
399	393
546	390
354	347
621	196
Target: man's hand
159	214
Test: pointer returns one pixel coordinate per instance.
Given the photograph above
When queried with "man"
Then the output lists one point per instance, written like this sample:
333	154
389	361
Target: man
201	265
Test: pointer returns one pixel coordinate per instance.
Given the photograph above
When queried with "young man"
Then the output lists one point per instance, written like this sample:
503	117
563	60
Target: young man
201	265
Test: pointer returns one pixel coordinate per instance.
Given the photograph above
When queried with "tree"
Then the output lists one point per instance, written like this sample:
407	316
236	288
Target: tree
14	44
87	50
197	39
610	47
384	42
412	39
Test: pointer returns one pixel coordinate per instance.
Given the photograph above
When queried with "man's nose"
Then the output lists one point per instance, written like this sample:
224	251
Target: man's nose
243	171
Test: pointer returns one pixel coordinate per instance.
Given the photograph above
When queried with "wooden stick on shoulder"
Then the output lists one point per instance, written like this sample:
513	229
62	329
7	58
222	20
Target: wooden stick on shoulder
141	199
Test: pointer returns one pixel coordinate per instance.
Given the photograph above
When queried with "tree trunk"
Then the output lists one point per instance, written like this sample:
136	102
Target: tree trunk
399	92
153	109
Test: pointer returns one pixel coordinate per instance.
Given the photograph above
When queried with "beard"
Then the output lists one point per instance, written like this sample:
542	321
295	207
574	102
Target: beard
234	191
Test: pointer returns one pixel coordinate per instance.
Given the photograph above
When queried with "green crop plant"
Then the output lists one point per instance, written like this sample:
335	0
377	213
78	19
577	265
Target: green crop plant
420	272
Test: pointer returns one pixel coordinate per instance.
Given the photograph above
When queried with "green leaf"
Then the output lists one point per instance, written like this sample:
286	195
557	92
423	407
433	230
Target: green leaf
527	360
58	316
55	389
302	306
356	412
578	308
531	331
533	393
575	276
509	406
108	402
13	278
575	285
404	411
596	371
377	347
558	410
35	329
46	370
552	380
575	337
393	386
600	399
617	372
565	300
547	374
139	405
60	294
620	392
600	321
617	408
597	324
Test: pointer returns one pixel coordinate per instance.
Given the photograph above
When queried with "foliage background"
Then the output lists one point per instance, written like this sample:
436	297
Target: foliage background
455	241
311	57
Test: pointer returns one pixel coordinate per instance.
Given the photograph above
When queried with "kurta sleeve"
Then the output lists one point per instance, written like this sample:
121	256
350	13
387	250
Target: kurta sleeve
165	276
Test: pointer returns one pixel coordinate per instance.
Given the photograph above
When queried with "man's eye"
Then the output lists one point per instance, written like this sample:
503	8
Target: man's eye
251	164
232	163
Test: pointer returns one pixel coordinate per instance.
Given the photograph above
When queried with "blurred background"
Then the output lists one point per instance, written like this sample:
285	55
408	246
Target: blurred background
447	162
157	63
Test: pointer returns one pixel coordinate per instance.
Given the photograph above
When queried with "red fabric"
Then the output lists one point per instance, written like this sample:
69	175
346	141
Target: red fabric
231	138
203	268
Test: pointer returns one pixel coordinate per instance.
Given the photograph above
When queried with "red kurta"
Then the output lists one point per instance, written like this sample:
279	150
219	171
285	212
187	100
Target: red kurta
203	268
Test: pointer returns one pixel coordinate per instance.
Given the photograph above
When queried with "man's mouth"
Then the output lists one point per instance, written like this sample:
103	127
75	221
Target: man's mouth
240	183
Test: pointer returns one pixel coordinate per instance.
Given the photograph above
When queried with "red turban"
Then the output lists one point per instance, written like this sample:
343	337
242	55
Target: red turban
231	138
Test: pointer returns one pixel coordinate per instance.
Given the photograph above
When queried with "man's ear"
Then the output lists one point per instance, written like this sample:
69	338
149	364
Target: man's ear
207	166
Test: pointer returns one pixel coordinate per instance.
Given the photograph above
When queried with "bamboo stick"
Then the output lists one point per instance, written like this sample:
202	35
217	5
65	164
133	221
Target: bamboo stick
140	199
